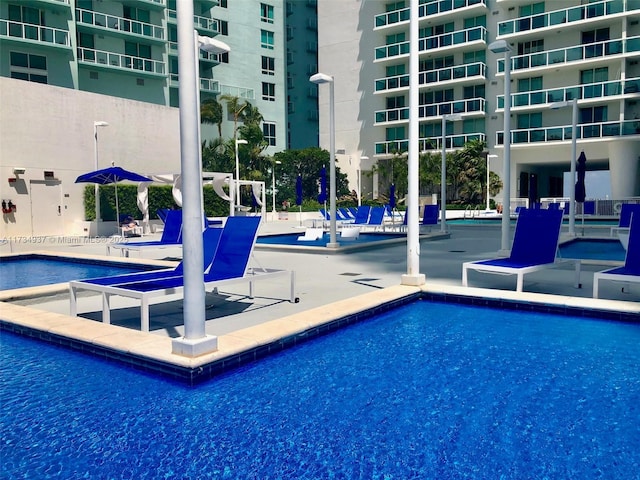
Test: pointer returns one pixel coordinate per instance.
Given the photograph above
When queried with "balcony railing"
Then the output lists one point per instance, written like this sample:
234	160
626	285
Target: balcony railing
392	50
563	133
35	33
580	92
426	144
561	17
206	84
472	70
430	8
454	38
200	22
204	56
119	61
580	53
120	24
240	92
471	105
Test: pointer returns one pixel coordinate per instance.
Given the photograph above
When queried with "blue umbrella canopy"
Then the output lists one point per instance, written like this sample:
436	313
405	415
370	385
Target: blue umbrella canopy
112	175
299	190
581	169
322	195
392	196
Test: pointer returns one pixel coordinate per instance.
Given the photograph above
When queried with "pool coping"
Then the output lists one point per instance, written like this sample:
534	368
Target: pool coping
152	353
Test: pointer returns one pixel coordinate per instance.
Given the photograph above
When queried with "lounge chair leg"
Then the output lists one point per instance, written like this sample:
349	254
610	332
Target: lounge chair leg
106	308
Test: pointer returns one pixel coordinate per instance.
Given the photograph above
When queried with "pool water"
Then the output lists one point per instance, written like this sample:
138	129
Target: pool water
593	249
32	271
291	239
426	391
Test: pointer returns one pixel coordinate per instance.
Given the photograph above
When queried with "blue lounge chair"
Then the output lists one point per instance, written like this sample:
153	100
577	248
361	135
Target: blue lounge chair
376	218
362	215
229	265
630	271
430	215
171	236
535	246
626	210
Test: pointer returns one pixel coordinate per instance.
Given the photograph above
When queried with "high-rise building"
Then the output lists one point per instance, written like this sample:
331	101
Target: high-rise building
561	50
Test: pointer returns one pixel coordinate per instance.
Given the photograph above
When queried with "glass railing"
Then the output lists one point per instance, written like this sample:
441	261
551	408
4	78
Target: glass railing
471	105
392	115
426	144
36	33
200	22
433	76
390	83
204	56
454	38
580	92
240	92
563	133
206	84
120	24
561	17
389	18
117	60
392	147
393	50
430	8
573	54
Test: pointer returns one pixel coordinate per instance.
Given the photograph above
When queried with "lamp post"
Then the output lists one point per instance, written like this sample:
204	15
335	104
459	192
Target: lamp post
501	46
238	141
574	153
364	157
443	170
273	183
318	79
96	190
488	179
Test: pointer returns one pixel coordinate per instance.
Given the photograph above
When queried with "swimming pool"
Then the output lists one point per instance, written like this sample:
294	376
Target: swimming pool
32	270
428	390
593	249
289	242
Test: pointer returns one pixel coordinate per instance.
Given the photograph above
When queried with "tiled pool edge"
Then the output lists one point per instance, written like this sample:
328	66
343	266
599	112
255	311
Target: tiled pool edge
151	352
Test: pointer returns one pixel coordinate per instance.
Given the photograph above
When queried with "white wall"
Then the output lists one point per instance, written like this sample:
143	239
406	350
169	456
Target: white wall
51	128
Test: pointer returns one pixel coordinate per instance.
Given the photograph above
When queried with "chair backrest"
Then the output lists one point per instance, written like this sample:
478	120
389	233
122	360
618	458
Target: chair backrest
554	206
626	211
234	248
353	211
362	215
589	207
210	239
325	214
430	215
346	214
162	213
377	216
536	236
172	232
632	260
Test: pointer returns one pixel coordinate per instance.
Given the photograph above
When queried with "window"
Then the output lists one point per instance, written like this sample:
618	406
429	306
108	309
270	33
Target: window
472	22
473	57
393	70
474	91
137	49
32	68
133	13
266	39
32	16
394	133
223	3
268	65
395	102
530	120
224	27
223	57
594	75
390	7
266	13
530	84
593	114
269	91
533	9
269	132
397	38
525	48
436	63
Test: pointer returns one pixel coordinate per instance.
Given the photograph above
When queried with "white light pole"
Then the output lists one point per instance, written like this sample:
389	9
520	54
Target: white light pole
273	183
501	46
443	170
574	153
96	190
239	141
318	79
488	179
364	157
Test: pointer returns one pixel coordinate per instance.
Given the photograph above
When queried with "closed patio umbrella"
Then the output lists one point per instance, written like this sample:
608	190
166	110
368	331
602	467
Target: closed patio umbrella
581	191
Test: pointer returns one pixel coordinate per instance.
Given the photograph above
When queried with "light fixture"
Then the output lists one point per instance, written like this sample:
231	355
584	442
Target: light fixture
19	171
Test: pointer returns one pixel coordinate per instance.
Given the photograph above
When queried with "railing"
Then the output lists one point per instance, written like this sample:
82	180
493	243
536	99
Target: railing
392	50
453	38
37	33
573	54
204	56
206	84
116	60
240	92
112	22
203	23
431	8
586	91
460	72
473	105
561	17
563	133
606	207
426	144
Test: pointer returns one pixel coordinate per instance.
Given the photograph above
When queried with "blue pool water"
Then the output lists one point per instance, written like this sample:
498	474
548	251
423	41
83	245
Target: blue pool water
593	249
291	239
32	271
426	391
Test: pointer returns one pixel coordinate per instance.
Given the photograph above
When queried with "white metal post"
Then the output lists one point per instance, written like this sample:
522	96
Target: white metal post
96	187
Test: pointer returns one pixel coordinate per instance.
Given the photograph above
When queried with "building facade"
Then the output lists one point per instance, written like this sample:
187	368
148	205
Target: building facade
561	50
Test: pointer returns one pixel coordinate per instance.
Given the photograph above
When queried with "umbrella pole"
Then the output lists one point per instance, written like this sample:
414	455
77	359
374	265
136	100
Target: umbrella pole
117	210
300	215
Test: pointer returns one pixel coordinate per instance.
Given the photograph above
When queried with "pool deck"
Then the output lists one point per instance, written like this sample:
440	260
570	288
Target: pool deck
333	290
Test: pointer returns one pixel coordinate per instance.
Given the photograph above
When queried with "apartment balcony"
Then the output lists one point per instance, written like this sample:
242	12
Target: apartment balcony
591	91
588	131
155	4
119	25
592	53
469	36
475	106
579	16
204	25
212	59
433	8
426	144
53	4
207	85
123	63
38	34
240	92
446	76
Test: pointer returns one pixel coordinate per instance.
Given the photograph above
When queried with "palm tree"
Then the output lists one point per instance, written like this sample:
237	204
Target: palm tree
211	113
235	109
251	115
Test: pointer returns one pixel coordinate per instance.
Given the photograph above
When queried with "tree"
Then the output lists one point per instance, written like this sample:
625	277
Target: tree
234	108
211	113
466	171
251	115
